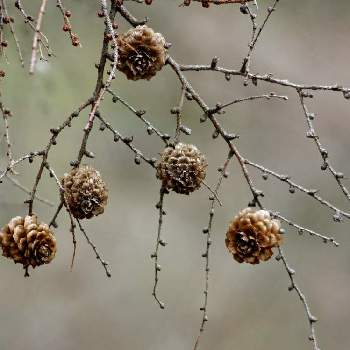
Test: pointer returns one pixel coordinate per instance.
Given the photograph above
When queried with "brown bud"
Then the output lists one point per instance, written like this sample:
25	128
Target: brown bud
66	27
75	40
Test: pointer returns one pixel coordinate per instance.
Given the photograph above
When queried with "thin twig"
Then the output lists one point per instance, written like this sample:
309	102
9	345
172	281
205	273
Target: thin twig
159	242
94	248
312	319
294	186
102	88
13	32
58	210
255	36
271	95
16	183
128	142
67	27
36	39
268	78
139	114
29	156
72	226
5	115
207	231
220	2
178	111
311	134
213	192
55	132
302	229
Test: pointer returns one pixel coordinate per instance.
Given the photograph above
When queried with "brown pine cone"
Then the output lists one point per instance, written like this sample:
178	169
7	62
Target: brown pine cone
182	169
84	192
142	53
252	235
28	242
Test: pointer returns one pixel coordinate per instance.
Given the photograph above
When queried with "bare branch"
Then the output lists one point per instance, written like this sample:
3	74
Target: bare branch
94	248
311	318
159	242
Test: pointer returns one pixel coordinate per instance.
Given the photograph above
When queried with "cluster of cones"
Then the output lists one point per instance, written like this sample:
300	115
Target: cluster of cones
181	168
29	242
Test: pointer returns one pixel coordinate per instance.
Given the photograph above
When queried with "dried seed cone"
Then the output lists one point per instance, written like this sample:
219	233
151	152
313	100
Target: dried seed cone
182	169
28	242
142	53
252	235
85	193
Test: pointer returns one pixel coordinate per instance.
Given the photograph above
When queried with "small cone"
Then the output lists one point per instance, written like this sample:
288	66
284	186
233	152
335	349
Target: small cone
28	242
252	235
85	193
142	53
182	169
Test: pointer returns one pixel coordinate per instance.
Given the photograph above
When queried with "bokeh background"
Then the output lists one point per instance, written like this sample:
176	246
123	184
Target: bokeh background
249	306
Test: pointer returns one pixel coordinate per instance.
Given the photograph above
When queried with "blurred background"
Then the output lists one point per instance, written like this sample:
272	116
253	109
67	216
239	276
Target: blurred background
249	306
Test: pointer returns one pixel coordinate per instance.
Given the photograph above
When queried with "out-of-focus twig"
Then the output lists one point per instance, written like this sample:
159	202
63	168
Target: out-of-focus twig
36	39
